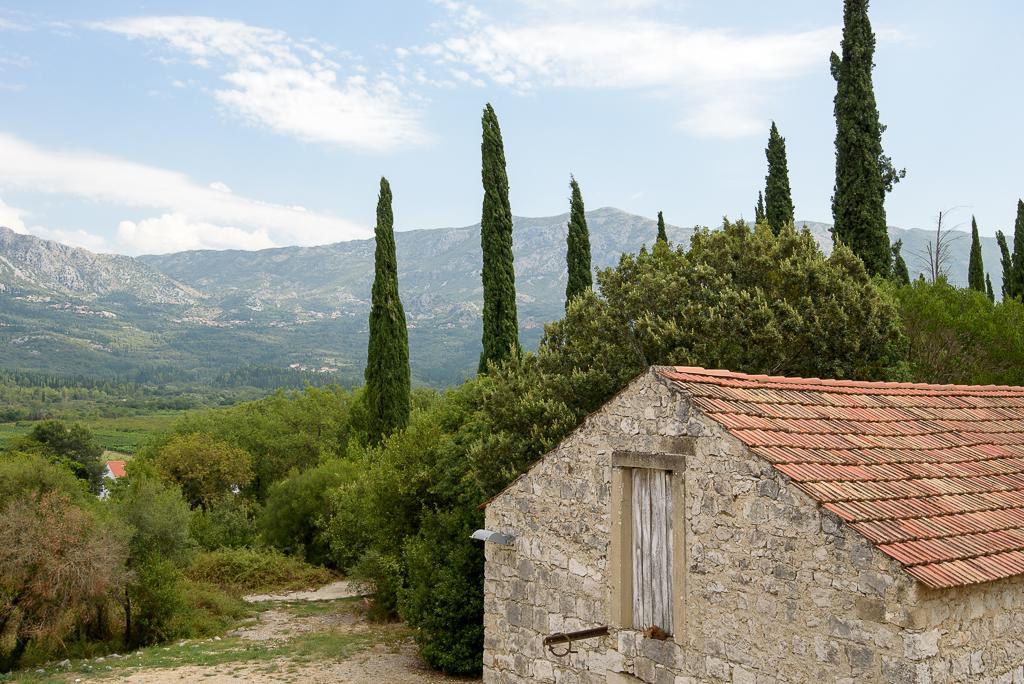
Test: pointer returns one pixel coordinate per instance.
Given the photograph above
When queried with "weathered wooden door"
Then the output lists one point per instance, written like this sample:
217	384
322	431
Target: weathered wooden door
652	549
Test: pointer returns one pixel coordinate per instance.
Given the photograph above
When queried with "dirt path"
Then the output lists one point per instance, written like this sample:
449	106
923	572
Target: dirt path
311	636
330	592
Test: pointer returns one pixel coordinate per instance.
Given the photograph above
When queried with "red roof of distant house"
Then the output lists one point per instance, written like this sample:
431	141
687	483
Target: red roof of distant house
932	475
116	468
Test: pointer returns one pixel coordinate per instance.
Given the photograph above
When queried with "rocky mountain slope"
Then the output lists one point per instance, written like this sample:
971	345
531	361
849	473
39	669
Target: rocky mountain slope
198	314
28	262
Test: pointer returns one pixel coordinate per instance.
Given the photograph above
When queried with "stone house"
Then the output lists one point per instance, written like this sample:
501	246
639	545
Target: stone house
730	527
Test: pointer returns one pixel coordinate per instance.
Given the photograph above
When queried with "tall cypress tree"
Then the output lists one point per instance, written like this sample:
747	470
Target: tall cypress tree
662	235
759	208
577	253
863	172
975	268
1017	257
900	272
501	326
1006	262
988	289
778	202
387	356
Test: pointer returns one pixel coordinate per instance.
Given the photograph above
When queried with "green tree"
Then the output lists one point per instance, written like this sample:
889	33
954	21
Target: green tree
988	289
284	432
900	272
292	521
205	468
863	172
1006	262
577	247
74	447
759	216
501	325
1017	257
158	518
387	358
975	268
662	233
777	197
956	335
739	298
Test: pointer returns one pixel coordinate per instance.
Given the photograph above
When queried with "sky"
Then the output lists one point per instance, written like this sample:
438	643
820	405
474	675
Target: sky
152	127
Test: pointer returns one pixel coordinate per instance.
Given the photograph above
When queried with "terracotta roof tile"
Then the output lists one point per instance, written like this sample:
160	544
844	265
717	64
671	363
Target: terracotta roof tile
933	475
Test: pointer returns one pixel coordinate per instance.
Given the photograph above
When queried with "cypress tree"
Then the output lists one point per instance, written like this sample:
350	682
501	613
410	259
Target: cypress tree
900	272
387	357
1006	262
501	326
988	289
759	208
778	202
1017	257
863	173
975	268
577	252
662	235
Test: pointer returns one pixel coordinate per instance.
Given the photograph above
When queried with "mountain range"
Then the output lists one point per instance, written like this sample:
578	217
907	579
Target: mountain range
192	316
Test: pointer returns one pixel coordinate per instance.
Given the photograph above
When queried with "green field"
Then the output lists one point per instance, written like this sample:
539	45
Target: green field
124	433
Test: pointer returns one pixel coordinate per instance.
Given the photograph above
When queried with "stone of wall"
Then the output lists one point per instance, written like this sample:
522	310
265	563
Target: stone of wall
777	589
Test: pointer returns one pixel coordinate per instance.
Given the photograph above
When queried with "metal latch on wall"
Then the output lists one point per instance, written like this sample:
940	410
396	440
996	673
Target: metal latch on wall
567	638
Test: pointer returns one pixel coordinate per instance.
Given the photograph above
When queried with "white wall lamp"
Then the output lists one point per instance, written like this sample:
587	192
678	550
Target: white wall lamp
493	537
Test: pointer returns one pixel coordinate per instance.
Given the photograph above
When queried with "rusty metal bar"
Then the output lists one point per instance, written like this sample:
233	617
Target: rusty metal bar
569	637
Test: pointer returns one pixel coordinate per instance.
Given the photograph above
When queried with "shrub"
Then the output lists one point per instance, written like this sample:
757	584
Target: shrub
26	475
291	519
156	599
959	336
228	522
251	570
157	515
74	447
208	610
59	565
443	600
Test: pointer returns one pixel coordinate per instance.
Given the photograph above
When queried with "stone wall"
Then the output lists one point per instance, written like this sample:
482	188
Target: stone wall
776	588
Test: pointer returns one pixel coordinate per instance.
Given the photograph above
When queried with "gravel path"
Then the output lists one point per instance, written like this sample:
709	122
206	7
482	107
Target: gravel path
329	592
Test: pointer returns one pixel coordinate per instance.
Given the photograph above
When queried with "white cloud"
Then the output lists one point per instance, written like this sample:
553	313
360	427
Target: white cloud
11	217
240	221
286	85
716	75
177	232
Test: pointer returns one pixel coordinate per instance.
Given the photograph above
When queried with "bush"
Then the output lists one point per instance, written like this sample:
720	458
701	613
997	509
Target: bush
959	336
60	565
252	570
443	600
25	475
228	522
291	520
74	447
208	610
158	517
393	485
156	598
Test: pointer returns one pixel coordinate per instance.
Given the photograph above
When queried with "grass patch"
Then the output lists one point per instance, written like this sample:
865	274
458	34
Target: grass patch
124	433
256	570
304	648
